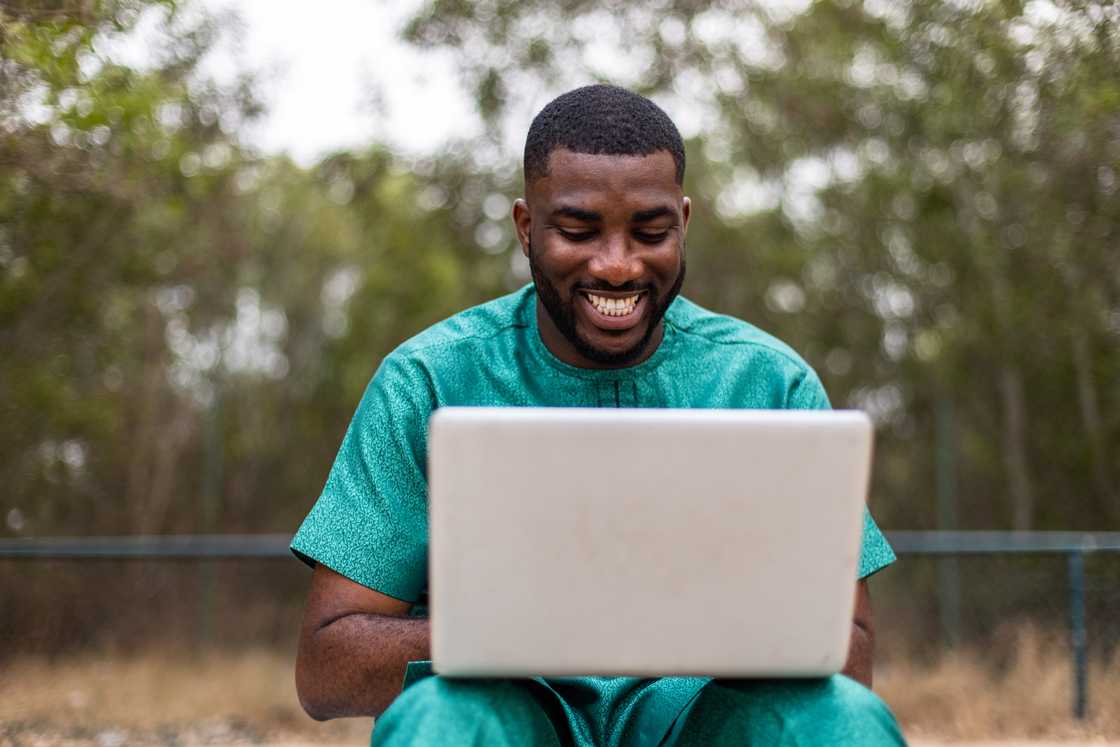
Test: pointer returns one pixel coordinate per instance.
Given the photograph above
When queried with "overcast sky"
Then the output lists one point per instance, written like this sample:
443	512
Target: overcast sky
334	75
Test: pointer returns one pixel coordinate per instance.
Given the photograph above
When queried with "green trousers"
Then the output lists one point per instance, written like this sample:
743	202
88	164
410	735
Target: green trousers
835	711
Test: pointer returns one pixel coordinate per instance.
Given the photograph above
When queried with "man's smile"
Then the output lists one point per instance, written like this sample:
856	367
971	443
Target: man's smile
613	310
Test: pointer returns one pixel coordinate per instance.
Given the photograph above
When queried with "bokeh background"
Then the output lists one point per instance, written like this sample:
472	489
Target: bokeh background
197	282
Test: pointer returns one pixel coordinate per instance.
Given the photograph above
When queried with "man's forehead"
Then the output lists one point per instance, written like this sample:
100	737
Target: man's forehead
571	174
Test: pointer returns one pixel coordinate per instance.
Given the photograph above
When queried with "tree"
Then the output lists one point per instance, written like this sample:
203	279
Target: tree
921	196
187	326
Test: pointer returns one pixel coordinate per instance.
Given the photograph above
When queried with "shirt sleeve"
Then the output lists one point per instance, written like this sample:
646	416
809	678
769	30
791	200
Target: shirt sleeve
875	552
370	523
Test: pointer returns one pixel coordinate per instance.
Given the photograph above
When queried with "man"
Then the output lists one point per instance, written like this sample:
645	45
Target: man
603	224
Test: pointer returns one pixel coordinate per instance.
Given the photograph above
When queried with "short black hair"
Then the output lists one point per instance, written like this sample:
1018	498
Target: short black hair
601	119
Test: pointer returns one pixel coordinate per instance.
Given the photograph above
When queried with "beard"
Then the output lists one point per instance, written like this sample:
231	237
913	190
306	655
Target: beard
563	313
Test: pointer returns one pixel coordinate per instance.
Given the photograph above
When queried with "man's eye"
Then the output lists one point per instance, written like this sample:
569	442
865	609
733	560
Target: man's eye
576	235
647	237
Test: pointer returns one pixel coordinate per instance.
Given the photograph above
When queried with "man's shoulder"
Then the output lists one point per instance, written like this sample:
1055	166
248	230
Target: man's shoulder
727	334
480	323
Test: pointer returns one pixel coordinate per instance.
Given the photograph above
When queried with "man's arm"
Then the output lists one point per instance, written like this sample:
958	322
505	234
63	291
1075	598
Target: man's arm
353	648
858	666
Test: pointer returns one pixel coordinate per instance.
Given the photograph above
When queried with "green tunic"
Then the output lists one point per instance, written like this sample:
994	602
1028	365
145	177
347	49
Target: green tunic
370	523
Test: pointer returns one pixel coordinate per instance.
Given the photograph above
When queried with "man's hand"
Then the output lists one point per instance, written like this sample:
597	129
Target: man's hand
353	648
858	666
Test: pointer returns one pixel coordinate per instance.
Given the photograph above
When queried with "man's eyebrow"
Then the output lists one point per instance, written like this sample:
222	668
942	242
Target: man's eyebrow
567	211
645	216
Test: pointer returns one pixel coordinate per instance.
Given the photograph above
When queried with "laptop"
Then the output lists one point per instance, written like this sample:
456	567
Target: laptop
644	542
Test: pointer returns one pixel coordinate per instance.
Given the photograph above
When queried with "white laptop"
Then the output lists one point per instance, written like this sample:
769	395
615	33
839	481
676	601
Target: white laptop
644	542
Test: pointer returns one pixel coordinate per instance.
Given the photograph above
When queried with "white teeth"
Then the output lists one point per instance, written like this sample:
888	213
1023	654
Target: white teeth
613	306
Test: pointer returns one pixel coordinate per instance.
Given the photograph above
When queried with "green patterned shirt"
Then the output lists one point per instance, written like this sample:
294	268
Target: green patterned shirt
371	522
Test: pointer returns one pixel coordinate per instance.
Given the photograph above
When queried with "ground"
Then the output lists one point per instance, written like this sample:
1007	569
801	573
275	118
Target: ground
165	697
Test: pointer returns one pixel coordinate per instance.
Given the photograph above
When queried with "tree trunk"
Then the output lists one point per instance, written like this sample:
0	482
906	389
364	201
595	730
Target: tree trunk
1015	448
161	494
145	432
1091	419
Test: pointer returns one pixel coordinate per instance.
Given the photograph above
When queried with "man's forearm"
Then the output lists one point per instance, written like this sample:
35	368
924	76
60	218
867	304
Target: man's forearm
354	665
860	651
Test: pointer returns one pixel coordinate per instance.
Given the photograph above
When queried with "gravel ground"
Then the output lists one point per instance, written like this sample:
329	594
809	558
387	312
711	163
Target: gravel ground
1012	743
225	733
212	733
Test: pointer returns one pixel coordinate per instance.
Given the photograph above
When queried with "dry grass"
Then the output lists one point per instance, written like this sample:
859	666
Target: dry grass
159	698
1021	688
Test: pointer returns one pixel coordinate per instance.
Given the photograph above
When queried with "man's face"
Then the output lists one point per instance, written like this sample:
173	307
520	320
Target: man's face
605	241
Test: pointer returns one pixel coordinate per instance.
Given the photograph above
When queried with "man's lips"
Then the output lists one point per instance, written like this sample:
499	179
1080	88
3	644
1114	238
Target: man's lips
613	310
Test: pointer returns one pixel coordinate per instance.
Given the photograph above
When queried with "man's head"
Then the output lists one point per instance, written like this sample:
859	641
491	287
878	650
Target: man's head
603	223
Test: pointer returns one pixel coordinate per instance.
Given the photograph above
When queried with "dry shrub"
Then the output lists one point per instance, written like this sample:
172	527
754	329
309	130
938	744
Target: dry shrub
1021	686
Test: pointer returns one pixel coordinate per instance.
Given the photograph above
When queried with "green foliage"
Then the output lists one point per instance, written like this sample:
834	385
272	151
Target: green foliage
920	196
187	327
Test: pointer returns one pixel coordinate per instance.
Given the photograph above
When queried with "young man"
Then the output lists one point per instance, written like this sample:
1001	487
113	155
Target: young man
603	224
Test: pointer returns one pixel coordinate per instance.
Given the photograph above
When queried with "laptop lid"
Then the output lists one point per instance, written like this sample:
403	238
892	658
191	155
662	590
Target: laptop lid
644	542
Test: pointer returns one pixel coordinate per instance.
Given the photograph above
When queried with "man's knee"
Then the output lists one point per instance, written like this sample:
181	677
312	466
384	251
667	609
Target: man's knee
834	711
441	695
855	699
837	710
436	710
438	699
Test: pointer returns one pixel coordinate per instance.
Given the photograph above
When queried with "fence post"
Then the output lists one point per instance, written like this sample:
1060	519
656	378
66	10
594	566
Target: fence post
212	463
948	566
1076	565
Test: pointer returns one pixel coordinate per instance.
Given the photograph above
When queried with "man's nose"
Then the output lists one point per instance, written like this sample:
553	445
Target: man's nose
615	263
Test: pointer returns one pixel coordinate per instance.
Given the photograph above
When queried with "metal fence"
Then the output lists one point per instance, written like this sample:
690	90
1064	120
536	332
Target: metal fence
1073	545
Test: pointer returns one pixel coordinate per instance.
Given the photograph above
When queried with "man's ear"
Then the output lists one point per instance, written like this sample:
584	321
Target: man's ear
522	223
686	212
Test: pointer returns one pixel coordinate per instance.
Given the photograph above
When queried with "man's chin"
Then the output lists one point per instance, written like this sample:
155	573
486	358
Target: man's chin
613	356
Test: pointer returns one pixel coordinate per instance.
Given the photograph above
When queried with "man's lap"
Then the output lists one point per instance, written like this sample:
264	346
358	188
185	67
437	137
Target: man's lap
790	713
786	713
443	711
